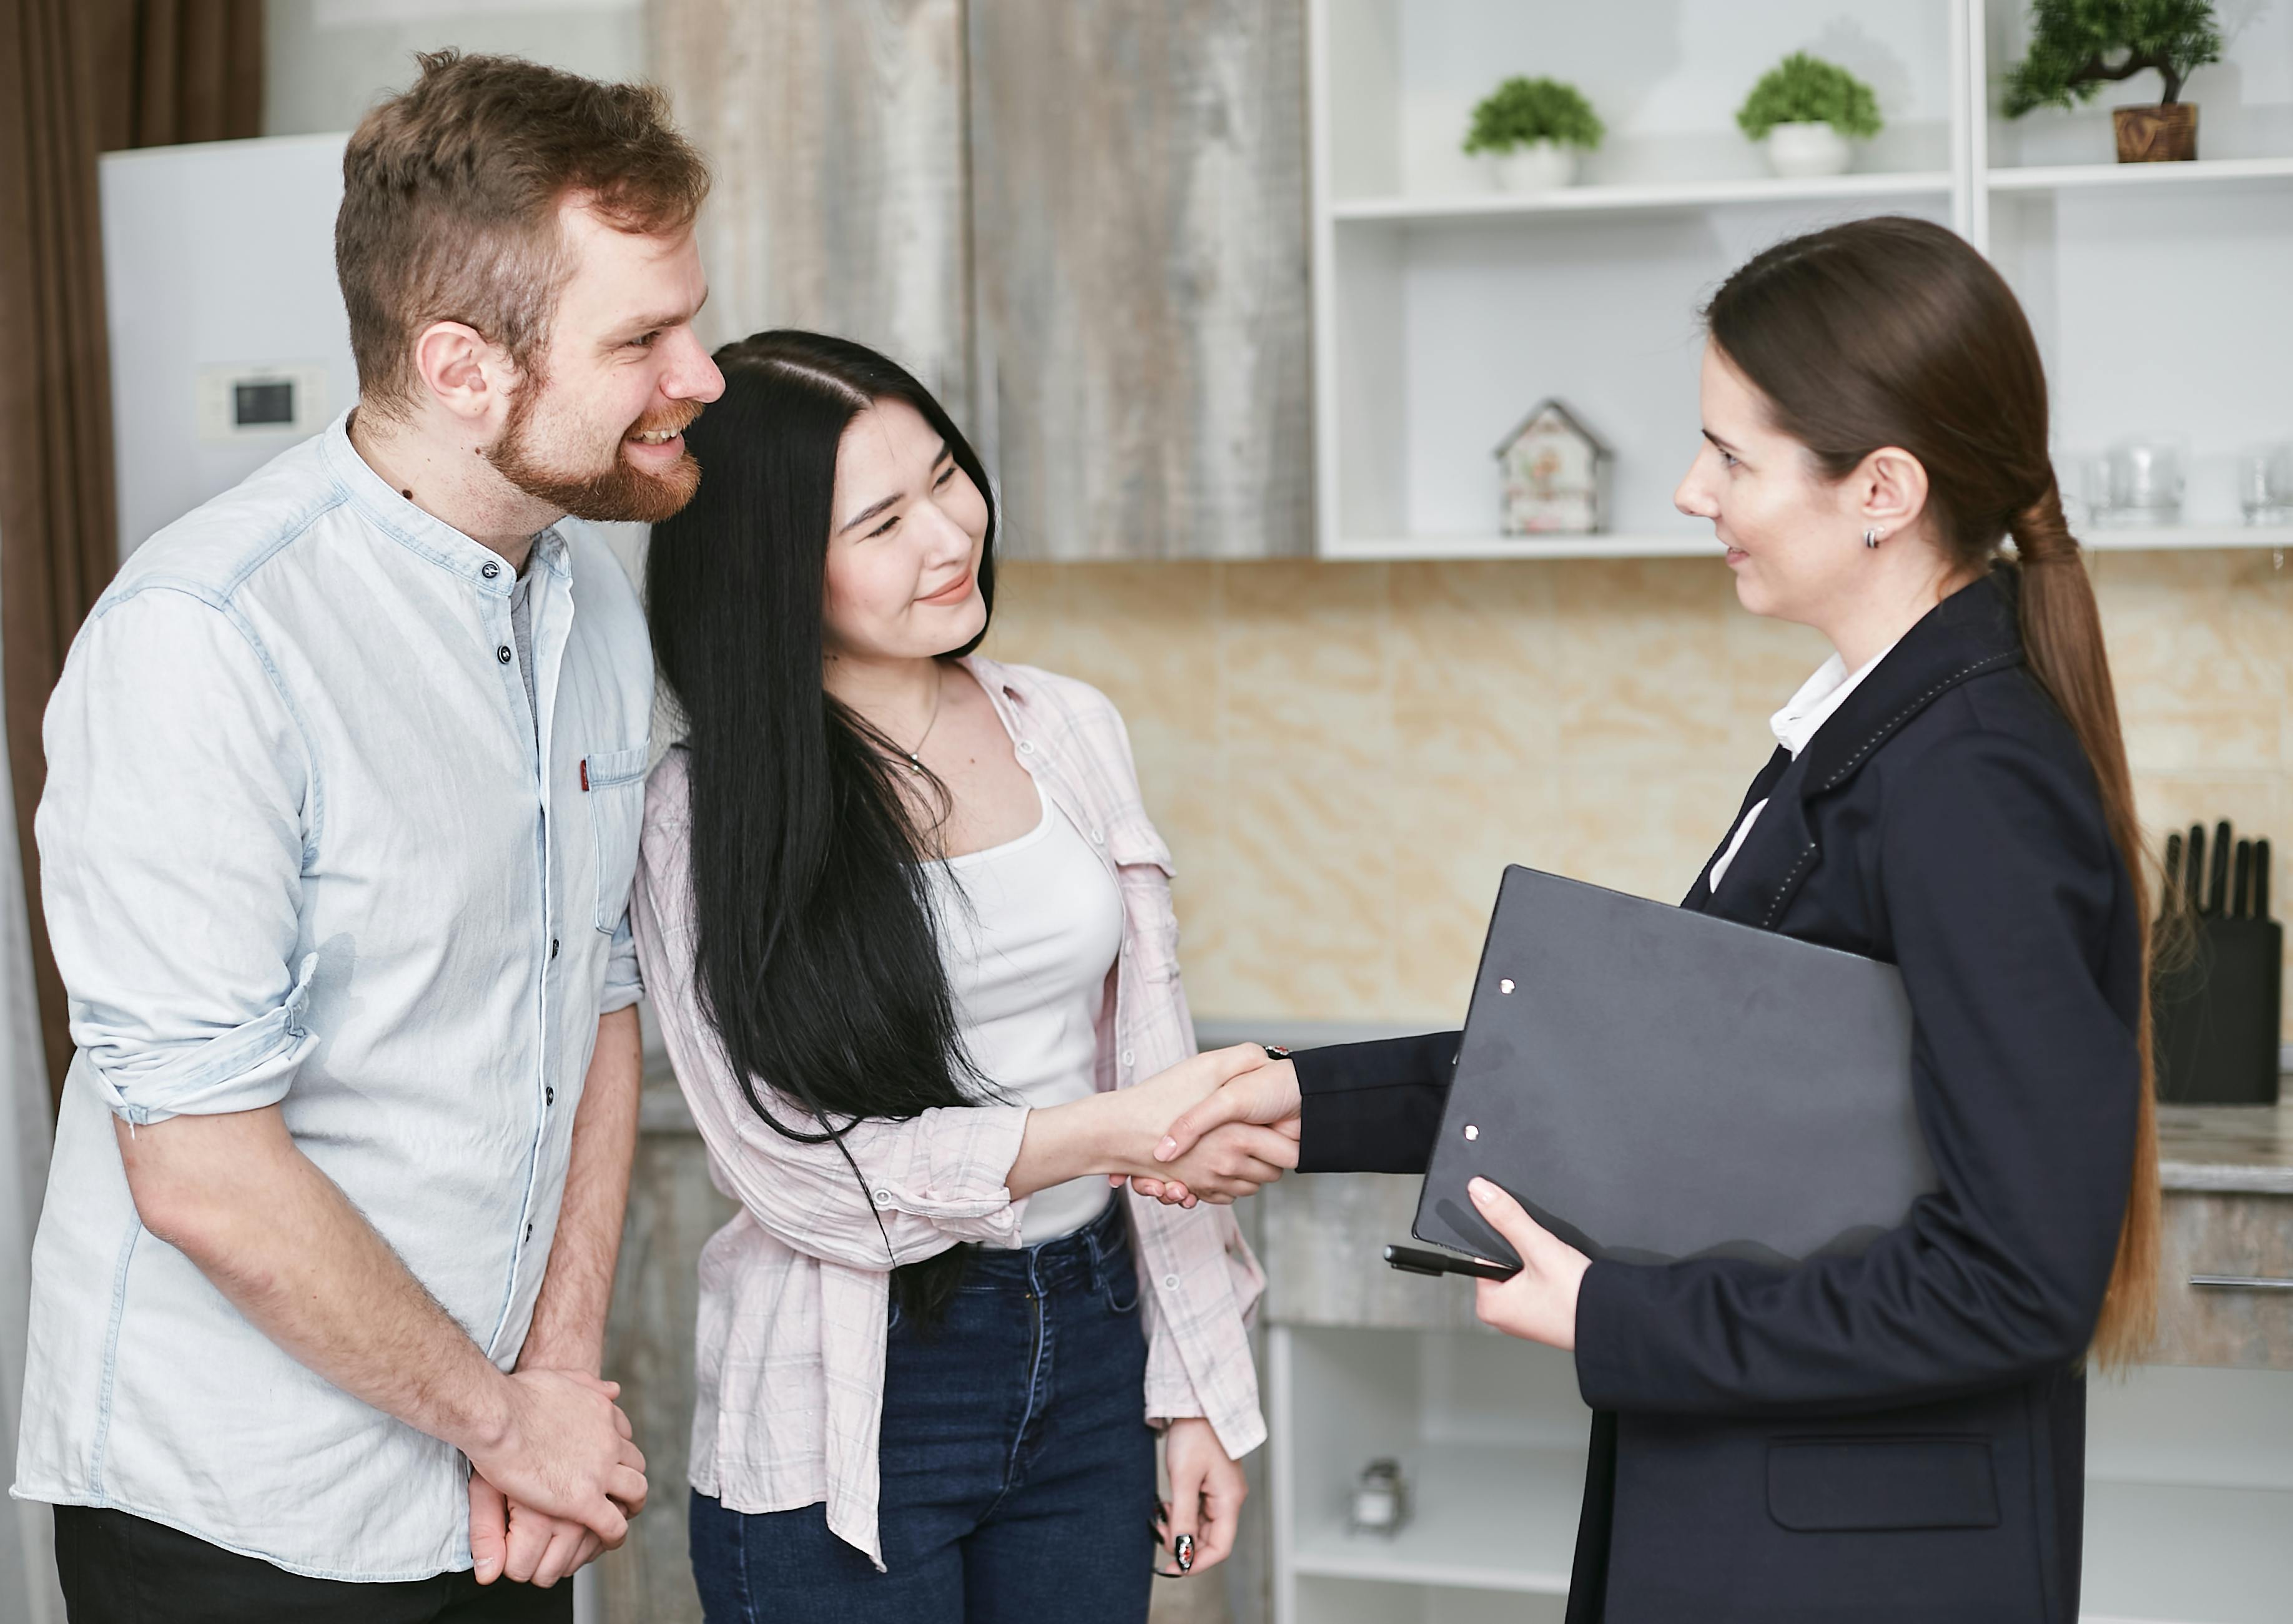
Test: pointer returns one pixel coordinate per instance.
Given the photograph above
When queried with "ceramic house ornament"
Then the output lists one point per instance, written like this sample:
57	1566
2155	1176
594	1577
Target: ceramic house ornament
1555	474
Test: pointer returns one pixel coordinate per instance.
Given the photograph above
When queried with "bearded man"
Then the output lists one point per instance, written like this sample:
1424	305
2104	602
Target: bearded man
345	779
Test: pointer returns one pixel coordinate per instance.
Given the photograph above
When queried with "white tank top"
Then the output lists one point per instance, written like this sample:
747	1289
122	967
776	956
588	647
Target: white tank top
1029	931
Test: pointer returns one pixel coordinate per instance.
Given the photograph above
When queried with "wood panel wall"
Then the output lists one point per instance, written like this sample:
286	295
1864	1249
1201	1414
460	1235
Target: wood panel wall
1083	222
835	130
1139	232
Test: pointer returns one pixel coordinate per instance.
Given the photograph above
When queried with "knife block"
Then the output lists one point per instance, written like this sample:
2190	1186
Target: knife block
2215	1017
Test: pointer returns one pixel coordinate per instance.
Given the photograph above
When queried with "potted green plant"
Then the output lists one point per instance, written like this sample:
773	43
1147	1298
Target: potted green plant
2077	46
1804	111
1534	131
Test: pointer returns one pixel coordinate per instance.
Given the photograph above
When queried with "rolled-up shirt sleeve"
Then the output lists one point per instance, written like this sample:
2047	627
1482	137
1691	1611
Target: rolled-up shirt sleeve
624	980
171	832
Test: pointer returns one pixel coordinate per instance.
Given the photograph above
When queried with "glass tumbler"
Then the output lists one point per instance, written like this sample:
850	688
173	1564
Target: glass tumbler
2265	485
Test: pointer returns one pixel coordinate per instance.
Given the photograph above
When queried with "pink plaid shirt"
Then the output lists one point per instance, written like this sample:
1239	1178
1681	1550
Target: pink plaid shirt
794	1290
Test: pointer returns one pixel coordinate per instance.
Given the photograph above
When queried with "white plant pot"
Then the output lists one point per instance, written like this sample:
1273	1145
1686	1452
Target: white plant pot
1800	151
1538	167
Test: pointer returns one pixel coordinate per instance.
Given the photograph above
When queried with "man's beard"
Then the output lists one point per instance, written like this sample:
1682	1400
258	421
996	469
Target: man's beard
622	493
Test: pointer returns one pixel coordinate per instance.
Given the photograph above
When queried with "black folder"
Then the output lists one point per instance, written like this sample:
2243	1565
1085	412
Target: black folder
1653	1084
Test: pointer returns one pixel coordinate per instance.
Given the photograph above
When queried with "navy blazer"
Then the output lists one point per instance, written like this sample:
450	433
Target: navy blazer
1899	1435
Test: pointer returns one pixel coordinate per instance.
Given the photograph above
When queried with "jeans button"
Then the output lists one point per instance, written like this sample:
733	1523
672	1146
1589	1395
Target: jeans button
550	1096
490	570
504	655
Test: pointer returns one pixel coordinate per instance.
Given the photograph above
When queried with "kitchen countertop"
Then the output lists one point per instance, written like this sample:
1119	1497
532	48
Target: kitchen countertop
2239	1148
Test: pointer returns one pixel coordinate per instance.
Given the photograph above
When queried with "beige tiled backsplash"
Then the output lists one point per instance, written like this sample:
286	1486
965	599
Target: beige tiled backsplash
1344	756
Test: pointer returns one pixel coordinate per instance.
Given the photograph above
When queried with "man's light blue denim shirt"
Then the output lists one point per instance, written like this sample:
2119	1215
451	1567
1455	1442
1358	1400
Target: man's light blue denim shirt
298	848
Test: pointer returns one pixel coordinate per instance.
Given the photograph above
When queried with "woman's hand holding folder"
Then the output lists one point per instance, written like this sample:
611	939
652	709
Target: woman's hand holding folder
1538	1303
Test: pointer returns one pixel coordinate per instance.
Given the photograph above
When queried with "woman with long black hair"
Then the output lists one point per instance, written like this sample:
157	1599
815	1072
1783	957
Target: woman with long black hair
908	932
1899	1434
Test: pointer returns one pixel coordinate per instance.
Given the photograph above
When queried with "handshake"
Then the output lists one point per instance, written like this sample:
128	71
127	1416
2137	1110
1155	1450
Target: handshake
1220	1126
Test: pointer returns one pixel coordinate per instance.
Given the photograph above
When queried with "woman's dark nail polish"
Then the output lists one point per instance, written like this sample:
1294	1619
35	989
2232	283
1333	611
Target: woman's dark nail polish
1183	1548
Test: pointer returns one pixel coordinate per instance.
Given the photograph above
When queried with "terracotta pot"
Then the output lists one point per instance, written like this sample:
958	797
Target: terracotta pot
2167	133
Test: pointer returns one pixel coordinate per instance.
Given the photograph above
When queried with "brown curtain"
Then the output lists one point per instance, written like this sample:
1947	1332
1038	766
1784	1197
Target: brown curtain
171	71
78	77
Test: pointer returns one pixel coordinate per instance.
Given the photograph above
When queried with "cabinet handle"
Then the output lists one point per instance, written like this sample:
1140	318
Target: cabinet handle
2241	1282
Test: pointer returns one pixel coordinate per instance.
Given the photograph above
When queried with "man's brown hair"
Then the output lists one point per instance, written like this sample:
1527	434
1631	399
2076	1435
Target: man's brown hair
450	192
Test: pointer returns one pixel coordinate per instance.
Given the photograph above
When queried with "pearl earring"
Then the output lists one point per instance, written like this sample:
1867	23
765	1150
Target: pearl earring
1871	538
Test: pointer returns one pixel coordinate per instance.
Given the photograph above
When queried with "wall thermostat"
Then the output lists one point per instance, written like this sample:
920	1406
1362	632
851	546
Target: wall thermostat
237	402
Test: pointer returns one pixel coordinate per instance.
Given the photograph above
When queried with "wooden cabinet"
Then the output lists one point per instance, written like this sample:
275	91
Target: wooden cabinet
2227	1293
1083	225
1139	259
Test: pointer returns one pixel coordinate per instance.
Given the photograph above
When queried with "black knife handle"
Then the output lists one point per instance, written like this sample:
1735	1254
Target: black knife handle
2171	900
2261	879
2193	882
2240	886
2218	884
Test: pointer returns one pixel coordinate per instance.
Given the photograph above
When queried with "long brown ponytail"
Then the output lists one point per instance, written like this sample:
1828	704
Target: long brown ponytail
1894	332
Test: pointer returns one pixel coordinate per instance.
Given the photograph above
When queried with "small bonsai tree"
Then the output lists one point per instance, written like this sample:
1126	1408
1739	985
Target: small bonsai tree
1803	89
1521	112
2073	44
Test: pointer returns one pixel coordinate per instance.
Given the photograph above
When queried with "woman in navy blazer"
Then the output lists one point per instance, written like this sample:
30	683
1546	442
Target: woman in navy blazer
1899	1434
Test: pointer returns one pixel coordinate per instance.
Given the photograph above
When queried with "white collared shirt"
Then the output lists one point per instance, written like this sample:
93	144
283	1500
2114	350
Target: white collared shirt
1797	724
305	844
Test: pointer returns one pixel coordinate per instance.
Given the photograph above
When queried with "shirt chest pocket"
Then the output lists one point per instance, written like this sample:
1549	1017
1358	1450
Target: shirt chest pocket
614	782
1143	869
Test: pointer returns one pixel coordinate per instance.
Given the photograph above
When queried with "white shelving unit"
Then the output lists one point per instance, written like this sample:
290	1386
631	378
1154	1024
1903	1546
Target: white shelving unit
1490	1436
1445	308
2188	1490
2204	173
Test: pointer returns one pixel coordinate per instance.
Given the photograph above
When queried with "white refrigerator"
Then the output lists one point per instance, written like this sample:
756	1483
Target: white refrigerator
228	338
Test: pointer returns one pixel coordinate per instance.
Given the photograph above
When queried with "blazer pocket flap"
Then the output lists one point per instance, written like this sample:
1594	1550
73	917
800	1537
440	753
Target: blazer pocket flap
1836	1485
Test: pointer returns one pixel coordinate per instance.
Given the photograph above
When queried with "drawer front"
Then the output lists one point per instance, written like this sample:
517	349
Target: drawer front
2245	1241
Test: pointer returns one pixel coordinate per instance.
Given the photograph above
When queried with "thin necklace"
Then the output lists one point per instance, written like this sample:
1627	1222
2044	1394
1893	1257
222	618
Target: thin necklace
939	693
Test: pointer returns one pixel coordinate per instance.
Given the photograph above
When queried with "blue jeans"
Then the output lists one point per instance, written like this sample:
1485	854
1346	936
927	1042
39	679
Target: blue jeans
1019	1470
